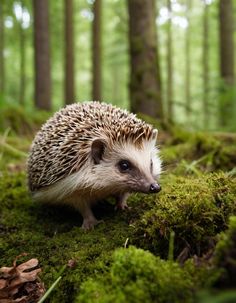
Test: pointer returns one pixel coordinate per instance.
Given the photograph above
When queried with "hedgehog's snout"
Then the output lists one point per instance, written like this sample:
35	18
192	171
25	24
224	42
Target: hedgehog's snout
154	188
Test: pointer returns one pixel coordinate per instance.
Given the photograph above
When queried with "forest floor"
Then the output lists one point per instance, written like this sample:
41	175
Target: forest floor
176	246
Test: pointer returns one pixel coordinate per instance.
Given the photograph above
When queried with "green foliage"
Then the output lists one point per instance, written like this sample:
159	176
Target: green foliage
227	296
138	276
200	152
21	121
224	259
196	209
225	255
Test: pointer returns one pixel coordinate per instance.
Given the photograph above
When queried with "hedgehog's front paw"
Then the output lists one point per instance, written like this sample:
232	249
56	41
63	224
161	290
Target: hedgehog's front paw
122	206
121	202
90	222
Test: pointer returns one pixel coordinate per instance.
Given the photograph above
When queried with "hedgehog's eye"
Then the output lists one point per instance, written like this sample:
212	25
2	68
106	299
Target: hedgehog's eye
124	165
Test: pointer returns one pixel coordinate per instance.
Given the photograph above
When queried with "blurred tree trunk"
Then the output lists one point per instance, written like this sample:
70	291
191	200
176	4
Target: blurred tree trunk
115	84
69	53
188	61
96	51
22	57
169	64
206	64
42	55
226	21
145	86
2	69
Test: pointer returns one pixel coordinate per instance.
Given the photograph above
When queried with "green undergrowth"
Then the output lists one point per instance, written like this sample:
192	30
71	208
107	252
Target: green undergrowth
225	255
53	235
194	152
21	121
13	152
136	275
201	152
176	246
195	208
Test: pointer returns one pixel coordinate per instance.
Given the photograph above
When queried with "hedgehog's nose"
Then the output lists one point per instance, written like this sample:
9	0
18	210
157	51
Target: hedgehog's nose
155	188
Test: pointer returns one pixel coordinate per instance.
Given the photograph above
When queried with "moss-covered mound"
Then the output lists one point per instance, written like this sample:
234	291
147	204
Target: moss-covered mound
200	152
225	255
54	236
195	208
138	276
183	222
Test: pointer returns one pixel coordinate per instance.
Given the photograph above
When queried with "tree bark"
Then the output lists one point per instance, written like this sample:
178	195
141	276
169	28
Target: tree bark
226	31
188	62
206	64
96	51
145	86
22	59
42	55
2	68
169	64
226	41
69	53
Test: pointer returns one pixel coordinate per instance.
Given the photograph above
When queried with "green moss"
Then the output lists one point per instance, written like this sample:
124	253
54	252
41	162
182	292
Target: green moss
138	276
228	296
17	128
225	255
203	273
53	235
190	152
194	203
225	158
196	209
13	153
174	154
200	153
20	120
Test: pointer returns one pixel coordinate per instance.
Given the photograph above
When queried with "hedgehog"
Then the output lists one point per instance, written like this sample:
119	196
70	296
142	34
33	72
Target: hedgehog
87	152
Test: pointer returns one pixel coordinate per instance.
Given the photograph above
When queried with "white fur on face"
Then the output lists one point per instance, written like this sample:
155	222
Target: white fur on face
142	157
107	175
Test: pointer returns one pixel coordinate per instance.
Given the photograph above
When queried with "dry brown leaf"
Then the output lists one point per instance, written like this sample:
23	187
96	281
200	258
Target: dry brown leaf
21	284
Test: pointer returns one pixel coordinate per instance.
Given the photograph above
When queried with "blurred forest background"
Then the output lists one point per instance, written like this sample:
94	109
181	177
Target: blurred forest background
171	59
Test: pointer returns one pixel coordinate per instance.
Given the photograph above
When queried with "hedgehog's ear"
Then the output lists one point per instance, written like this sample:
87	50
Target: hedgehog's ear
97	150
154	134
